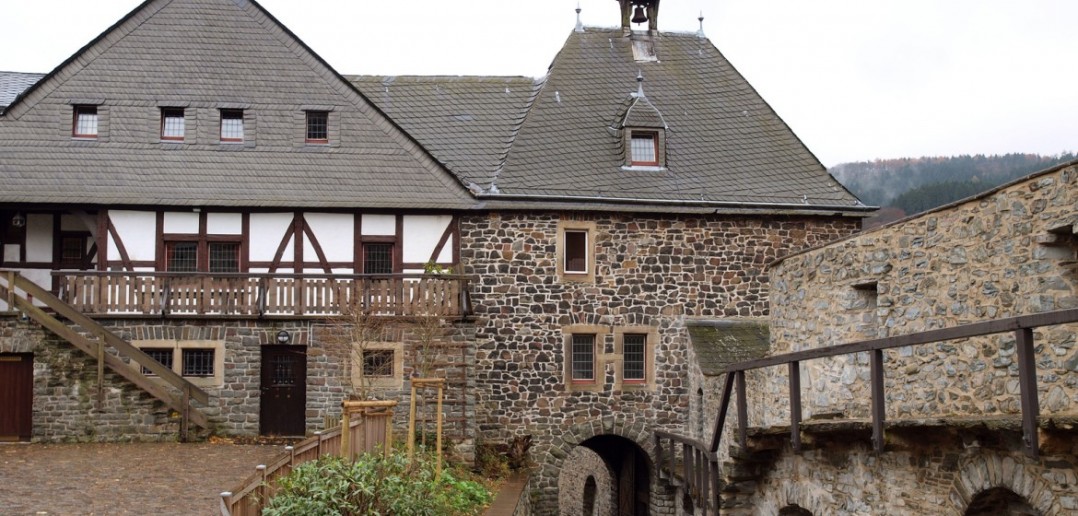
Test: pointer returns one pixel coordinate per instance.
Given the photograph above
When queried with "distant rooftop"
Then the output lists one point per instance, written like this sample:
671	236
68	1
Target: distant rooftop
14	83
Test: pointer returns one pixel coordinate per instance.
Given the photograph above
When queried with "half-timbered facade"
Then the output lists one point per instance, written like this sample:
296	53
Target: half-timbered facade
220	208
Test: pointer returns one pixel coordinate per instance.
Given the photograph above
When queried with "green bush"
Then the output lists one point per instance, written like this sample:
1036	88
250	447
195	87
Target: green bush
377	485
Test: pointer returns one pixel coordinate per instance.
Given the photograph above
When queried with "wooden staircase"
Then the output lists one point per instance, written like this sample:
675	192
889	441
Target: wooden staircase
108	349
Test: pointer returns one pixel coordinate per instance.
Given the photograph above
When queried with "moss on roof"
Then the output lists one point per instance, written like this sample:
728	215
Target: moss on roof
719	343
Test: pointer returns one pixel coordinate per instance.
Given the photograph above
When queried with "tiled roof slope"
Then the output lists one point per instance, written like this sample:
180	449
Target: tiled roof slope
14	83
719	343
724	143
205	55
467	123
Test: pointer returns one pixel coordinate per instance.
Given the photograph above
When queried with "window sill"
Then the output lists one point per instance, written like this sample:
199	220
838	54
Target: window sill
643	168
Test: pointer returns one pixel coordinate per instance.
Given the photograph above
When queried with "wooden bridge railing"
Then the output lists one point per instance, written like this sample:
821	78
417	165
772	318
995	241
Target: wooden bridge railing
262	295
700	467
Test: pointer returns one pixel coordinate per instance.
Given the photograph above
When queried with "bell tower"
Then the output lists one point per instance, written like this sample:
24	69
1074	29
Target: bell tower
639	11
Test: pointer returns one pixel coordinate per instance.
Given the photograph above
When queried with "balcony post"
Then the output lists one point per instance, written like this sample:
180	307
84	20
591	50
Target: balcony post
1027	385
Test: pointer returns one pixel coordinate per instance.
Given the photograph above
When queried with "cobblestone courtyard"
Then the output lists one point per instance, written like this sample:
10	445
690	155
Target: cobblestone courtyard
136	478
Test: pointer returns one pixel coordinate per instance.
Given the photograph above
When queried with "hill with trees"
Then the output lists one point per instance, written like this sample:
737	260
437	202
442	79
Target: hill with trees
907	186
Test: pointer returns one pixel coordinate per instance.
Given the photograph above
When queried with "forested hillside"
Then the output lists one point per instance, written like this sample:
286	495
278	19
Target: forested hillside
911	185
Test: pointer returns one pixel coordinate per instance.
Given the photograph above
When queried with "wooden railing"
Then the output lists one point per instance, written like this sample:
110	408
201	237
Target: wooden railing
700	468
262	295
107	347
368	433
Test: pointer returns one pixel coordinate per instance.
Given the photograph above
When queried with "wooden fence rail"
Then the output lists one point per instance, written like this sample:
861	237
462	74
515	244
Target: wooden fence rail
366	434
700	468
262	295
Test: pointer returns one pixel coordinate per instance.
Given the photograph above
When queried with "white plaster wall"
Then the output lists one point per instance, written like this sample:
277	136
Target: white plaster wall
421	236
138	232
224	224
380	225
39	237
11	252
267	230
181	222
335	233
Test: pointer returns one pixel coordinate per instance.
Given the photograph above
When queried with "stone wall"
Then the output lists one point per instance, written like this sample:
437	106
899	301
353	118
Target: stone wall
651	271
581	465
65	379
1000	255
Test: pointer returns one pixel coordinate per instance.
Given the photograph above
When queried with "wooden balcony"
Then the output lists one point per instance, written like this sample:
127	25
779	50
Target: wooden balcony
167	294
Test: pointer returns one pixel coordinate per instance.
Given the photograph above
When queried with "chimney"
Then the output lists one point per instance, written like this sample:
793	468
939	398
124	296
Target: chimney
639	11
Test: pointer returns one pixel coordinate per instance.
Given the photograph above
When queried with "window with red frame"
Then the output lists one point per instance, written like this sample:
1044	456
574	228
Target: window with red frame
84	122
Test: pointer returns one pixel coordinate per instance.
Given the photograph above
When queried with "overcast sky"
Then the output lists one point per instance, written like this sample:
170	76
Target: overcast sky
855	79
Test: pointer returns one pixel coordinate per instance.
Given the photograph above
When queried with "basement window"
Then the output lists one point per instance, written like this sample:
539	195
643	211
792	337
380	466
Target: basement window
198	362
378	363
161	355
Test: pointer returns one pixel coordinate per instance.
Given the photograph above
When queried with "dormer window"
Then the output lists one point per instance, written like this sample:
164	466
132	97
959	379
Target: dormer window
644	149
84	122
172	124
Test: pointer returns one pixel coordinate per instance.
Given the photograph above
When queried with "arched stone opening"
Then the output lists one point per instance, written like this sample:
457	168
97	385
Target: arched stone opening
700	421
589	497
1000	501
794	510
687	507
631	472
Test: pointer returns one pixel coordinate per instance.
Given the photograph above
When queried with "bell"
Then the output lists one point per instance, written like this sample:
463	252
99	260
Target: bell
639	16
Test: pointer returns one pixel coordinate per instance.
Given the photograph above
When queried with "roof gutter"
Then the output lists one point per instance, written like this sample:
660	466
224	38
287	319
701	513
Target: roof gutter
668	202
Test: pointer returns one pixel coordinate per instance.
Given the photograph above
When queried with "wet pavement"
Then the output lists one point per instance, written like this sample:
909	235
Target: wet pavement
135	478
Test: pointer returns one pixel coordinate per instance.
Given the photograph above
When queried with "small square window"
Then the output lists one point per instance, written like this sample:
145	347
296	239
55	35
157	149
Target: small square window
172	124
198	362
73	252
378	363
84	122
232	125
181	256
644	149
163	356
634	360
378	258
224	257
576	252
317	127
583	358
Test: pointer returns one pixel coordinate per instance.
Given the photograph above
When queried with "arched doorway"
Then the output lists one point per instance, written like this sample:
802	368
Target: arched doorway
631	470
794	510
589	497
1000	501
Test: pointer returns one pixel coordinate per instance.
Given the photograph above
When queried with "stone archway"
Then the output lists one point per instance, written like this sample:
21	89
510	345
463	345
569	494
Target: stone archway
612	442
794	510
1000	501
998	474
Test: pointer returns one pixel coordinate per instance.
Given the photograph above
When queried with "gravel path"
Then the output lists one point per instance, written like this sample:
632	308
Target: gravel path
137	478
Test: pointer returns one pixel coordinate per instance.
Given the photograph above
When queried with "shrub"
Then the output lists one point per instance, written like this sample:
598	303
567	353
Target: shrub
377	485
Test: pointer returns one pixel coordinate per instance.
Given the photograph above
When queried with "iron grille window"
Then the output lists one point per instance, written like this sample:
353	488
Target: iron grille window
172	124
162	355
583	357
232	125
181	257
224	257
378	362
378	258
633	359
283	374
644	149
576	252
84	124
317	126
198	362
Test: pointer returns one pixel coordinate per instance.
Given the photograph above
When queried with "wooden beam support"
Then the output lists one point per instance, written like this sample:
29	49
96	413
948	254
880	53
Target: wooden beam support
795	406
878	409
742	411
720	418
1027	385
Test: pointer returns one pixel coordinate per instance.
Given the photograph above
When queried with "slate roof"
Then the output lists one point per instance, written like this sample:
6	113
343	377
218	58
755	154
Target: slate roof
14	83
719	343
724	143
467	123
202	53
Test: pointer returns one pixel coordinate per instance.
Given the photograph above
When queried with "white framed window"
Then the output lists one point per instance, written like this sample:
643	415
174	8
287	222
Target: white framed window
576	251
172	124
84	122
644	149
232	126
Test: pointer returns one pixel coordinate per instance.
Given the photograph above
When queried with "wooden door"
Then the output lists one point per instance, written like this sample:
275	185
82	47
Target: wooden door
16	396
283	404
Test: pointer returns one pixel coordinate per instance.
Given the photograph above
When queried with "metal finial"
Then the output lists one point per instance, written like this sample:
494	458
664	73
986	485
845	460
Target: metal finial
639	83
579	25
700	33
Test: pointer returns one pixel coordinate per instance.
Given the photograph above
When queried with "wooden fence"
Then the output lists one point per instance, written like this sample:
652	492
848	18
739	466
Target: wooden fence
368	433
262	295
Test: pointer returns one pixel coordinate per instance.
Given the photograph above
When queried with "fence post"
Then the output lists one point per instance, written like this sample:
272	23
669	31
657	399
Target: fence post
438	446
226	503
319	436
346	433
262	488
411	426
